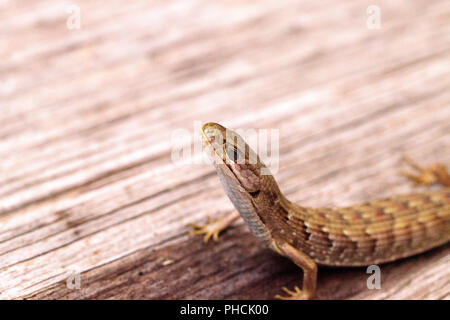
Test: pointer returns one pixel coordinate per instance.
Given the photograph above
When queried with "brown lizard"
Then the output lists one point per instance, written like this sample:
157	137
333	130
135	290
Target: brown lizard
361	235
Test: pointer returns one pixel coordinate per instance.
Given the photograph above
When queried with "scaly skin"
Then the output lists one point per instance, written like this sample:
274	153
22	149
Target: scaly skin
370	233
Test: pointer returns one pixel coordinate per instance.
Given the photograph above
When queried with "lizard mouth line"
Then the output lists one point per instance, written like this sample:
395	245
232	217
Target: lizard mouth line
210	148
218	159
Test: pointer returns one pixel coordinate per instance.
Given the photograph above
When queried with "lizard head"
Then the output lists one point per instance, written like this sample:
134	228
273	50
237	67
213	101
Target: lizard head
232	155
239	168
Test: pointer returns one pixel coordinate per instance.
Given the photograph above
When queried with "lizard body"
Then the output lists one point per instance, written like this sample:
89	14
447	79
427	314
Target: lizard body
360	235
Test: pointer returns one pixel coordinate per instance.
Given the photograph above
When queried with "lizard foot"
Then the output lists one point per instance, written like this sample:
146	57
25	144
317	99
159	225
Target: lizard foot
214	227
435	173
297	294
211	229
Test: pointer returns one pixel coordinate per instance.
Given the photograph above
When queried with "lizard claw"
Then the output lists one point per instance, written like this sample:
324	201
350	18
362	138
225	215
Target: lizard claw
297	294
211	229
435	173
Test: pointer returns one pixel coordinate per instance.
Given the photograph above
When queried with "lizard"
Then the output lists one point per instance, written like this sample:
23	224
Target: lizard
366	234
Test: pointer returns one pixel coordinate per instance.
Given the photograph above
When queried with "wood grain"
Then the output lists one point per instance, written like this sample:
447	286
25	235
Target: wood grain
88	184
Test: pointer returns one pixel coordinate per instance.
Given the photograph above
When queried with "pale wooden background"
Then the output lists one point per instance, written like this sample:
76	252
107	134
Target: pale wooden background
87	182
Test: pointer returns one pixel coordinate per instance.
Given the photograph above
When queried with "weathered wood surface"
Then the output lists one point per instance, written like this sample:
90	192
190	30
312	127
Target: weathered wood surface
87	116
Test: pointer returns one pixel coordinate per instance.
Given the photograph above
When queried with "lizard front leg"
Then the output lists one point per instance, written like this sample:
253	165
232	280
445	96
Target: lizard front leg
214	227
309	268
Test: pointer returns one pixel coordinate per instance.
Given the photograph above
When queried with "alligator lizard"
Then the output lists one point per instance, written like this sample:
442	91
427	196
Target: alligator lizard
371	233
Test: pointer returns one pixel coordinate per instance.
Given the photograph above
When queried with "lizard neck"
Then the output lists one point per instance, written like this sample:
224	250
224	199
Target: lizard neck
244	203
274	210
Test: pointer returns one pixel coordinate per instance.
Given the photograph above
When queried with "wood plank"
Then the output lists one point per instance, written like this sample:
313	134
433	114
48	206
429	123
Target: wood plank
88	183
